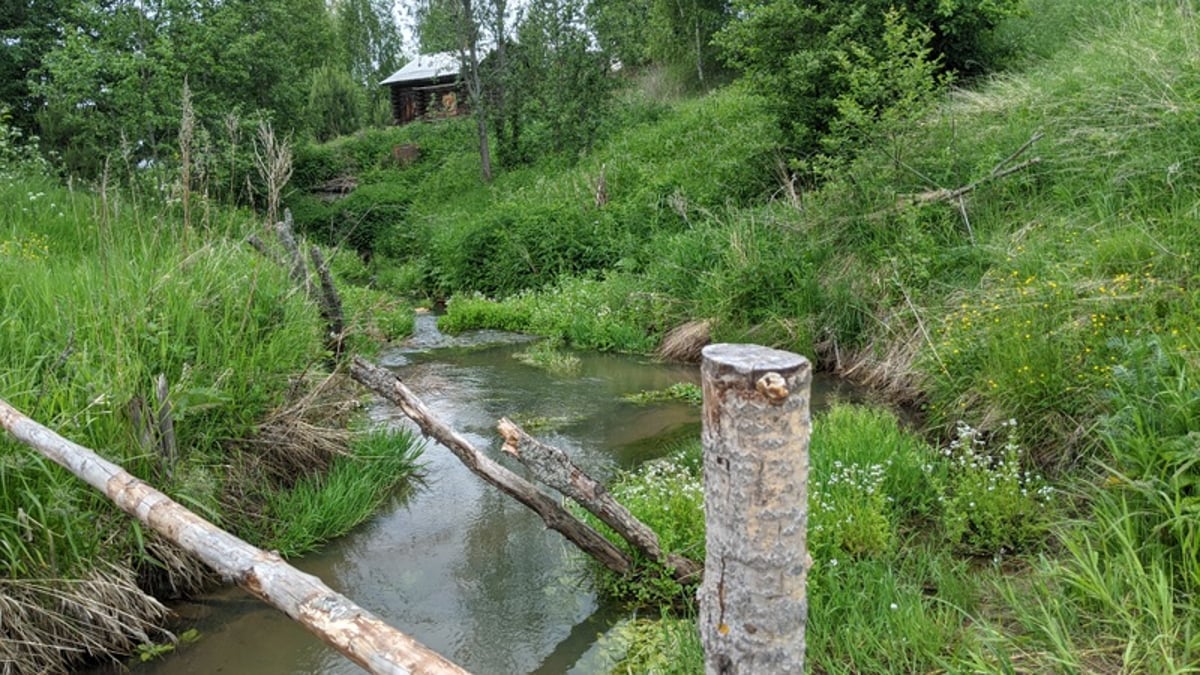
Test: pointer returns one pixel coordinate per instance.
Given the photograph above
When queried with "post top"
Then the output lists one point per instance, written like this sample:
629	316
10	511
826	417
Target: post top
750	359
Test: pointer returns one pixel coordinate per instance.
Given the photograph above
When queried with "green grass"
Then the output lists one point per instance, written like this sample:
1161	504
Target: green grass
99	296
889	590
320	508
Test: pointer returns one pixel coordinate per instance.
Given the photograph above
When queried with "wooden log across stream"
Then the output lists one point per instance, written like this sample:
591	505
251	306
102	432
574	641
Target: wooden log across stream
358	634
554	514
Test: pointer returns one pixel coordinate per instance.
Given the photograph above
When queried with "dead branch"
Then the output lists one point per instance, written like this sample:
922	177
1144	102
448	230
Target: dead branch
999	171
331	305
387	385
353	631
261	246
288	238
553	467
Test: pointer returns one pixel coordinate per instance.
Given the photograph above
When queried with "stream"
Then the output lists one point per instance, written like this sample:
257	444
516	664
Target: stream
452	562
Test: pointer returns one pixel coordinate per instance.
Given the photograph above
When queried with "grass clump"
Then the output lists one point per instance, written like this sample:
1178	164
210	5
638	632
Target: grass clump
606	315
100	296
549	356
683	392
321	507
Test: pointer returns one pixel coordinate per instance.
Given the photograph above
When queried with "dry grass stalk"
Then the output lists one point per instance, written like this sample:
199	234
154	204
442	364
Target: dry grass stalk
685	342
305	434
47	625
273	157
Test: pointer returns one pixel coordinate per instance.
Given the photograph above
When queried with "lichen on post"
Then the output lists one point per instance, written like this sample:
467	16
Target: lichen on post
753	606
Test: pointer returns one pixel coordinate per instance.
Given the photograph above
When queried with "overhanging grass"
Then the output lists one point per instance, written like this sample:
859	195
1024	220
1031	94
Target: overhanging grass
319	508
99	296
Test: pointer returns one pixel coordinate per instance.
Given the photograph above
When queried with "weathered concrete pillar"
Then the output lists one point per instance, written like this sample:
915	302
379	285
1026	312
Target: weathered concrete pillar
753	606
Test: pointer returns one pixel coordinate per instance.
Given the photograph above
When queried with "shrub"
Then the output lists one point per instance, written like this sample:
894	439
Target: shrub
810	81
994	506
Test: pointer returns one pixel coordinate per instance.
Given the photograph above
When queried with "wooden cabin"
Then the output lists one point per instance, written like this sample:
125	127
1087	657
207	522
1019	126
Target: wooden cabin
427	88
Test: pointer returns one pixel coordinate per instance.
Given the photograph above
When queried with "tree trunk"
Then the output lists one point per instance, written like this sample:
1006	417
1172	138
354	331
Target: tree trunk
469	32
557	518
756	429
554	468
359	635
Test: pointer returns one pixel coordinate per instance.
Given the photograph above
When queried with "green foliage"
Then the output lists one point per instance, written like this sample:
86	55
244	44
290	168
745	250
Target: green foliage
684	392
114	78
374	317
994	506
18	155
370	40
667	495
93	311
320	508
857	62
335	103
560	87
665	646
608	315
549	356
27	31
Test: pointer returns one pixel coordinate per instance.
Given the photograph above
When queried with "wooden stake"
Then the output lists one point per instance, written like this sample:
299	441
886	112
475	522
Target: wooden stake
753	606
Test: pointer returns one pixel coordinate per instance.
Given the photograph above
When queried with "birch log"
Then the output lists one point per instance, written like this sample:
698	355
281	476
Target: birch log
553	467
359	635
557	518
756	429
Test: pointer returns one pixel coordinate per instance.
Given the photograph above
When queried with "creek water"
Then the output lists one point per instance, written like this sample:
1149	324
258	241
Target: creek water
453	562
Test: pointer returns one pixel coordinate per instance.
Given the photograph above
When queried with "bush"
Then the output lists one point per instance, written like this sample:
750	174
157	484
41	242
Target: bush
809	81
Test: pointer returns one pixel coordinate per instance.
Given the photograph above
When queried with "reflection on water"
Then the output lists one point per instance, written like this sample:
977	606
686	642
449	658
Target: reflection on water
456	564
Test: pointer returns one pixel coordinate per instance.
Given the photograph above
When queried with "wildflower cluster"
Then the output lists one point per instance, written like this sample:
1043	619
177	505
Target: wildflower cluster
32	247
667	495
849	511
991	505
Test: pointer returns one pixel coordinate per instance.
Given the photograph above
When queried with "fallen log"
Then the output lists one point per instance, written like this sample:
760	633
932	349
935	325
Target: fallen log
358	634
553	467
556	517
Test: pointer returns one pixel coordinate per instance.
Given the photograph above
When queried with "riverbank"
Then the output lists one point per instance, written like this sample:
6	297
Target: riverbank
104	296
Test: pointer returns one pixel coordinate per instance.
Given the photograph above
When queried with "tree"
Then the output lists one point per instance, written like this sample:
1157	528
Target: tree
683	32
622	29
562	81
114	80
335	103
369	38
28	30
436	26
827	65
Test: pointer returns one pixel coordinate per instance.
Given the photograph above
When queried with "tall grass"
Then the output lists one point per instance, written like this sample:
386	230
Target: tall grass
100	295
321	507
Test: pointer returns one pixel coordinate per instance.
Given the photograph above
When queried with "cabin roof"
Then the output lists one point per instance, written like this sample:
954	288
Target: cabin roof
426	67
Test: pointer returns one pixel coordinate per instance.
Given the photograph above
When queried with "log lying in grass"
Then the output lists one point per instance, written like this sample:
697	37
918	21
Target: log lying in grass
553	467
359	635
557	518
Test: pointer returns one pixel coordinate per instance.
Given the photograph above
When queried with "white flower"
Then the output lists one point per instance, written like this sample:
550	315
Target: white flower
833	562
894	606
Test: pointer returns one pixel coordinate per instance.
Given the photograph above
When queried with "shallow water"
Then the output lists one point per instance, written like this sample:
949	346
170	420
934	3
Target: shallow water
453	562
